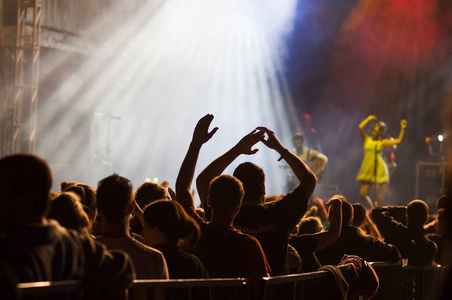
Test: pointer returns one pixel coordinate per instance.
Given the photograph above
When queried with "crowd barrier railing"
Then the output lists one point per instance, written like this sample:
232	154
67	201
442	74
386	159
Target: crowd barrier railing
191	289
396	282
302	286
408	282
390	278
70	289
215	289
427	282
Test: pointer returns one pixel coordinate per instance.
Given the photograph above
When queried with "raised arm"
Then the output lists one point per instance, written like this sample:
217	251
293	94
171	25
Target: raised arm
387	142
363	124
322	213
334	231
215	168
388	218
185	177
137	211
303	173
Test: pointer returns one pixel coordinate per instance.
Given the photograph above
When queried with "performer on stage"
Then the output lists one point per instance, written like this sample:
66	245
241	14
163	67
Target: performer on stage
373	168
310	134
313	158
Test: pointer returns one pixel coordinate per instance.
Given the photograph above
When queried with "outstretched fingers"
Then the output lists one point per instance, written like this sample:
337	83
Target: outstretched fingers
202	133
271	141
248	141
172	194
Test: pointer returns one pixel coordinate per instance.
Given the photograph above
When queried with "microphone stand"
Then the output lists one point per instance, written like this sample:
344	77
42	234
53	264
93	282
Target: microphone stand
375	171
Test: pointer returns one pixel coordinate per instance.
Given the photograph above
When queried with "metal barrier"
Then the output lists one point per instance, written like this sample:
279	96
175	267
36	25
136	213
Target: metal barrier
391	280
71	289
396	282
302	286
427	282
215	289
407	282
212	289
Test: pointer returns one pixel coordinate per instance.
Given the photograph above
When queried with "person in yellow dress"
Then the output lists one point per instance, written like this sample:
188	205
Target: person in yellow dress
373	167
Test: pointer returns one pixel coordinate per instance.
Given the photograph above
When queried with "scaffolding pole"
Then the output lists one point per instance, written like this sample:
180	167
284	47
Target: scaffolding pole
20	124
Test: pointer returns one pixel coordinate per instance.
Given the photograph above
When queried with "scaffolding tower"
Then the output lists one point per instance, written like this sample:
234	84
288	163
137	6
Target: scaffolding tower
21	109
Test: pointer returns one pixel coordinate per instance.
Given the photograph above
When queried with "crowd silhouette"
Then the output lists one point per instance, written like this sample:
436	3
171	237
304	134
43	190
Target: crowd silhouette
108	236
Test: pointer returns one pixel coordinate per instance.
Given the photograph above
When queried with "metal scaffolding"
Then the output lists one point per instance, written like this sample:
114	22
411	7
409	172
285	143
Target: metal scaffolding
20	123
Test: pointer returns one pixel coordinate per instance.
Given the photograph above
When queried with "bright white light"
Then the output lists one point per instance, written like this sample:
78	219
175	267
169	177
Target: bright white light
440	138
164	69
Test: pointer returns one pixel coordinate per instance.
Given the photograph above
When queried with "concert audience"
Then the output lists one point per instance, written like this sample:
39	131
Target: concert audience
322	212
38	249
272	222
293	260
67	209
146	193
87	196
310	240
166	224
438	231
310	225
115	203
352	241
224	250
362	221
240	232
359	215
410	239
444	229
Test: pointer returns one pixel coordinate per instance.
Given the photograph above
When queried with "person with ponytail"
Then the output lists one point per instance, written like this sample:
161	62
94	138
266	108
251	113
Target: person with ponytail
166	226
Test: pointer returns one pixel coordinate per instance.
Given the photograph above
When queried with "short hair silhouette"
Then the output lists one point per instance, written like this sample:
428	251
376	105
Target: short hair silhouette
114	198
417	213
347	210
253	179
149	192
310	225
22	175
444	201
225	193
359	214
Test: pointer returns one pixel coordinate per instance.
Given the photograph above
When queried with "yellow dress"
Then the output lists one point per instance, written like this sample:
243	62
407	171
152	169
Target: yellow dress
372	153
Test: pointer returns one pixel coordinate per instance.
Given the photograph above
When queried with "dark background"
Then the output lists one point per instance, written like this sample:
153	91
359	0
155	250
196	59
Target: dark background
330	80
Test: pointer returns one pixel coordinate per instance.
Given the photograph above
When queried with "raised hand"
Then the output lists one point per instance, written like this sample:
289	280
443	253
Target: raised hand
172	194
201	134
364	123
318	201
335	203
272	141
245	145
403	123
